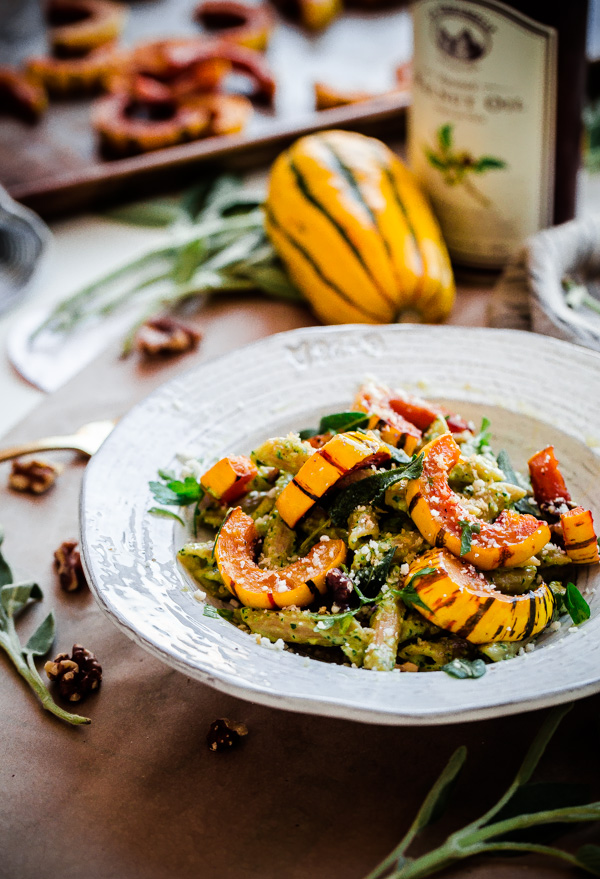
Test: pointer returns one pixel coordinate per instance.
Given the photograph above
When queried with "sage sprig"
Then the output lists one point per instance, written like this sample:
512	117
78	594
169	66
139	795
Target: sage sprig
216	243
14	597
485	835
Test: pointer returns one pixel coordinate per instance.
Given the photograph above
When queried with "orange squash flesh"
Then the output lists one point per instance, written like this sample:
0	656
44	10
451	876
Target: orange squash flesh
461	600
341	454
437	512
299	583
228	479
581	544
395	429
547	481
417	411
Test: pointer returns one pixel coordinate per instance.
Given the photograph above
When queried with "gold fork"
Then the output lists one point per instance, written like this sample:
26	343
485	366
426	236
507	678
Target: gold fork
86	440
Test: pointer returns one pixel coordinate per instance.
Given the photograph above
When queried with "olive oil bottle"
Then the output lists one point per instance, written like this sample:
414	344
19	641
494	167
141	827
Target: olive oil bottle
495	126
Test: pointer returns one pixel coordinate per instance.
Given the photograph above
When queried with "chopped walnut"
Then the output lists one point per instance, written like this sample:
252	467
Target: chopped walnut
34	476
76	675
67	562
224	734
163	336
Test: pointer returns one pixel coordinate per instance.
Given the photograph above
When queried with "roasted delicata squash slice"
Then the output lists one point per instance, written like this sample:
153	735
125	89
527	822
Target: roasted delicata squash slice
547	481
440	516
461	600
581	543
228	479
343	453
299	583
394	428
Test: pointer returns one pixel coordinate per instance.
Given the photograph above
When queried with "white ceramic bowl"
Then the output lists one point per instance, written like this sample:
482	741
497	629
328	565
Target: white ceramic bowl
536	391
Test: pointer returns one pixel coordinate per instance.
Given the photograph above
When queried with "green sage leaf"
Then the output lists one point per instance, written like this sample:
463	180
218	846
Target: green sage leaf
371	489
436	801
6	575
575	604
42	639
15	596
154	212
340	422
465	668
371	578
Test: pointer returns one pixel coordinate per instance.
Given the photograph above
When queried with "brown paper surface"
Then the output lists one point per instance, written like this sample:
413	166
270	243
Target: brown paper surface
138	793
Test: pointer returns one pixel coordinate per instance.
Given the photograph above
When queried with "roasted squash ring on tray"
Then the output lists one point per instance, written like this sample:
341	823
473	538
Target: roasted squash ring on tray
80	26
245	25
73	77
126	127
22	95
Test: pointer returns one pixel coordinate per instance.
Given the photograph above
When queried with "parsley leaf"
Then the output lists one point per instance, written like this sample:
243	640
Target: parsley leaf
467	529
176	493
465	668
575	604
409	594
166	514
481	440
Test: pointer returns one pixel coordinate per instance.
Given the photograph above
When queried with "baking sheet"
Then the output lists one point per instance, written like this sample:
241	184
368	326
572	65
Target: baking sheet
55	167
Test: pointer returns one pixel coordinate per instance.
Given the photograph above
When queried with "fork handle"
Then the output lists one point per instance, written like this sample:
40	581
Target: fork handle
50	443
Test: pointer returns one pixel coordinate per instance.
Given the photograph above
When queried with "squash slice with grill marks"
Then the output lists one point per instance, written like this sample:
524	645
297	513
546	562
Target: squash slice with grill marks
355	233
461	600
299	583
439	515
341	454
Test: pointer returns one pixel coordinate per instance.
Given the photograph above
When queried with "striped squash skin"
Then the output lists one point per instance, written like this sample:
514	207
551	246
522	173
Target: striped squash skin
299	583
437	512
312	230
581	544
436	295
341	454
361	164
358	242
462	601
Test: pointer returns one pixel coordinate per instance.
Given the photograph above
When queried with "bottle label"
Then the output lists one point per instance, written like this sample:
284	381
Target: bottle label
482	124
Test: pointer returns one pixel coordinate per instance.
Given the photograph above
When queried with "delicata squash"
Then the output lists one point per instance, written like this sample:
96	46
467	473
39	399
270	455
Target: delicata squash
297	584
357	236
341	545
342	454
441	517
458	599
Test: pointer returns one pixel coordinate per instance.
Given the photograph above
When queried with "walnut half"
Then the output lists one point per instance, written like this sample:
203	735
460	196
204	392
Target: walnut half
163	336
67	562
34	476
